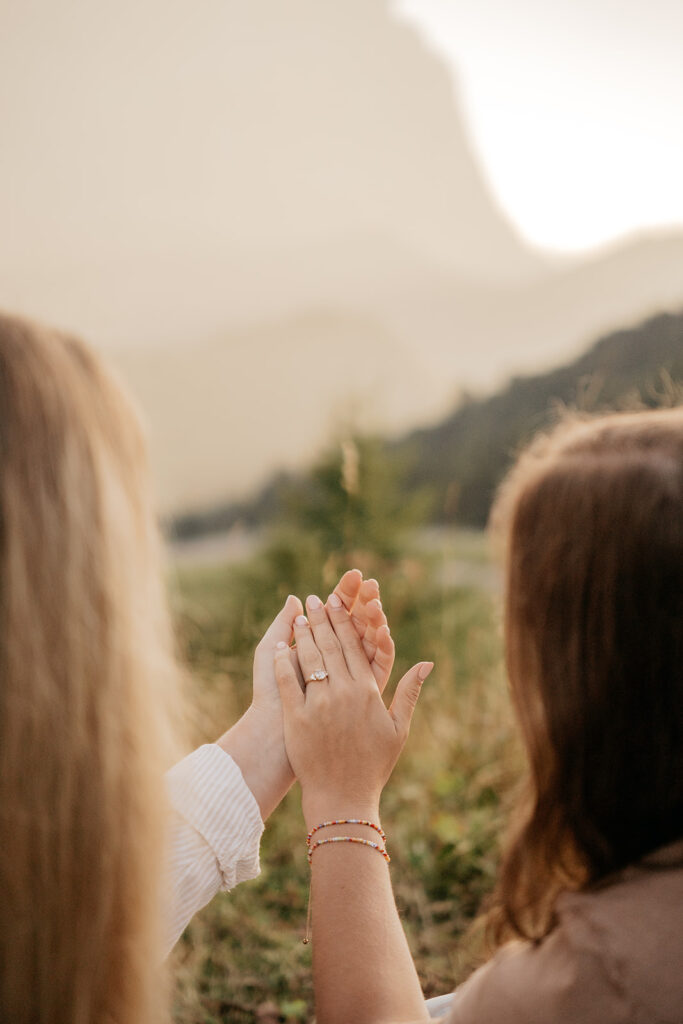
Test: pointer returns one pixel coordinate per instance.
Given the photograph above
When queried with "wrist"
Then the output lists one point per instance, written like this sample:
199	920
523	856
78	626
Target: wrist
256	745
319	807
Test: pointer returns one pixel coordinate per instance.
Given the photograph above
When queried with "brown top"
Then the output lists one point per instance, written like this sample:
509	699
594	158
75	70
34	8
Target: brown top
616	957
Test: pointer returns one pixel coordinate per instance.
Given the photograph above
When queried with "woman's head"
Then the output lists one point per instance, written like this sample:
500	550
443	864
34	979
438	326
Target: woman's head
85	681
593	522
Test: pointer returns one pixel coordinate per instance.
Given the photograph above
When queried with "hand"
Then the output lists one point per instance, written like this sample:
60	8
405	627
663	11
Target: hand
361	599
341	740
357	595
256	741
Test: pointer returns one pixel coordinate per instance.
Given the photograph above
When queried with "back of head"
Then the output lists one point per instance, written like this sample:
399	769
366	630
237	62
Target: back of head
593	522
85	678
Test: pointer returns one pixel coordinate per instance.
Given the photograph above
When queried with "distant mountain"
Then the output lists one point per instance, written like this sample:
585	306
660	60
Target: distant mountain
228	413
479	336
462	459
195	154
391	345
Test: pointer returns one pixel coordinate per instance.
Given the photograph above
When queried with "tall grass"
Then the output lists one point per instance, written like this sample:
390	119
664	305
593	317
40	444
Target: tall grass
241	959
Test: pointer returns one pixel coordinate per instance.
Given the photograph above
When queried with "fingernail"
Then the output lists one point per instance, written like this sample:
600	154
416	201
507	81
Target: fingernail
280	645
373	580
300	620
424	670
313	601
334	601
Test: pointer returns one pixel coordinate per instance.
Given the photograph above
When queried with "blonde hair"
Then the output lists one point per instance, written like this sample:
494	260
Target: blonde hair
87	687
592	519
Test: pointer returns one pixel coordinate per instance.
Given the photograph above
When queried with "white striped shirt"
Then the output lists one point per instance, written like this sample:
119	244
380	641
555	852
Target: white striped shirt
215	833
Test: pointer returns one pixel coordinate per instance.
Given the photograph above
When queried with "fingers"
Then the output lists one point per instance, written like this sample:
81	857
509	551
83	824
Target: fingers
309	657
288	684
368	591
383	661
349	587
279	631
326	639
352	647
282	625
369	622
377	642
374	618
407	695
297	667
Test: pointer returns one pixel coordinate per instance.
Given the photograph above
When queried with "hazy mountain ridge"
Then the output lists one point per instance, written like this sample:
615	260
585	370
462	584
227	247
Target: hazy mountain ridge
462	459
462	328
392	342
262	399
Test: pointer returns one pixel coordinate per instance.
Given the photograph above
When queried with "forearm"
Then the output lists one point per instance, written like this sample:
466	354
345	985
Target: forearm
214	832
256	745
343	743
362	967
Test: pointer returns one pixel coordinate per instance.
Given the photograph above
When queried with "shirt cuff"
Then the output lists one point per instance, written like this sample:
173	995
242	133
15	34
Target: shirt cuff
207	789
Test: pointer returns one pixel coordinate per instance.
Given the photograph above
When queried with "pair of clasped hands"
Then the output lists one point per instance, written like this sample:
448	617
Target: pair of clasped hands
334	734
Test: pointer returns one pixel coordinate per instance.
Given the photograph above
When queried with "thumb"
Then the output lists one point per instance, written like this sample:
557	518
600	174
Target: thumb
280	629
291	693
407	694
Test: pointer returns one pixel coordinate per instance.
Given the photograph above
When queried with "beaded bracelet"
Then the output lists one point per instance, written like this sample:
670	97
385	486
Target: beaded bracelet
348	839
345	821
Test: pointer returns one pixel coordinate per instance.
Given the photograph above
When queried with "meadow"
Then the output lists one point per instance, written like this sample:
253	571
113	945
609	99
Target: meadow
242	959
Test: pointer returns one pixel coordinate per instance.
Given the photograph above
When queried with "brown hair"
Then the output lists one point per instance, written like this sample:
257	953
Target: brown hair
592	517
86	685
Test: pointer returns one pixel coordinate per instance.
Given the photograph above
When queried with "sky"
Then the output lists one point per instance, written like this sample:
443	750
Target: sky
575	108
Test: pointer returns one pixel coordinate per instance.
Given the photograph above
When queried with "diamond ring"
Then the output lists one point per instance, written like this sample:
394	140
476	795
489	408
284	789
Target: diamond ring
316	676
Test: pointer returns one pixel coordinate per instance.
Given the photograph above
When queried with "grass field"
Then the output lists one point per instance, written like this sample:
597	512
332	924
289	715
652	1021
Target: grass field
242	959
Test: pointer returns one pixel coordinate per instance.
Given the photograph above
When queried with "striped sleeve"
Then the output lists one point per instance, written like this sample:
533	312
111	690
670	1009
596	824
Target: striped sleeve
214	836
